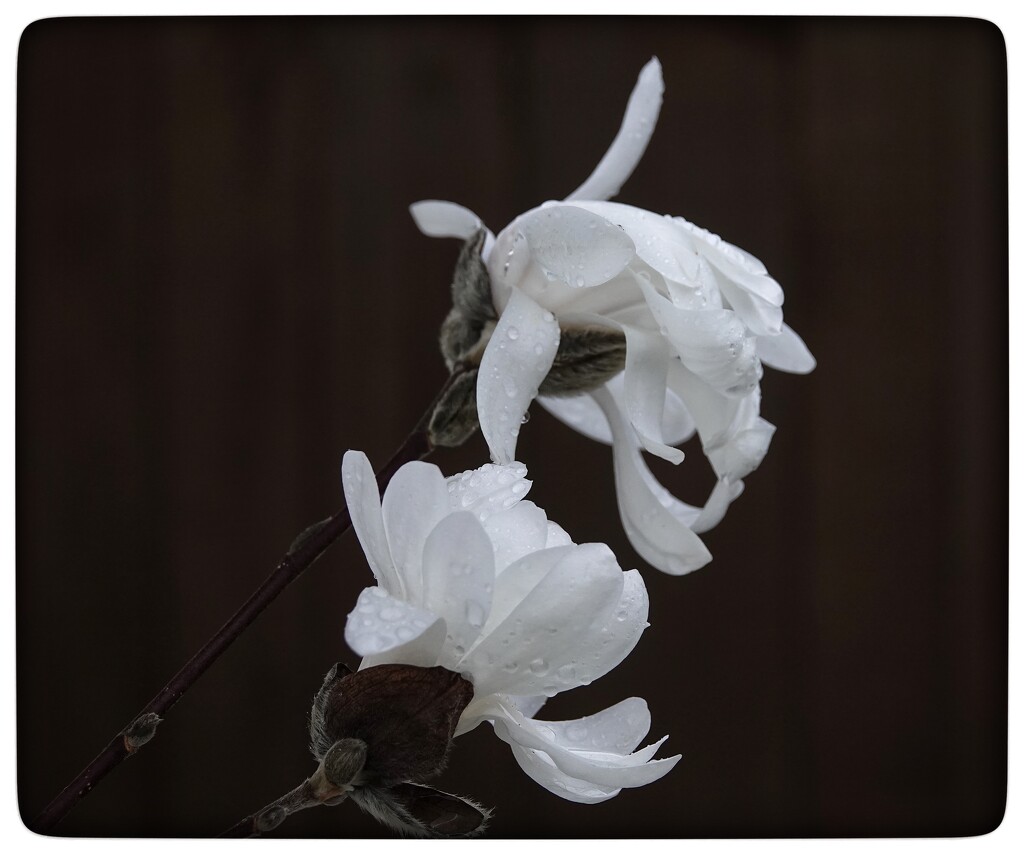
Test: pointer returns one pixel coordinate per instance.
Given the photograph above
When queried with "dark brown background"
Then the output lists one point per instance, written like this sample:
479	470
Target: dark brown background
220	290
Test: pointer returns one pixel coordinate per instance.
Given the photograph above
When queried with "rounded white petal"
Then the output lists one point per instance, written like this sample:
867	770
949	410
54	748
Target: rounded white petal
518	579
785	352
515	362
658	536
363	500
536	649
557	536
414	502
381	623
458	577
574	246
631	141
759	315
489	489
516	532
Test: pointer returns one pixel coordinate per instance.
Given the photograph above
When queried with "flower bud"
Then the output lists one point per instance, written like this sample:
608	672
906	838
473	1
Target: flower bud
404	715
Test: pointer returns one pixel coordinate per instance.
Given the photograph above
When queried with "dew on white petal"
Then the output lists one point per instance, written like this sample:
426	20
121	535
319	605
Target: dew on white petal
576	732
566	672
580	281
539	667
519	487
511	666
525	418
539	350
405	633
510	386
548	316
475	614
513	333
390	614
378	592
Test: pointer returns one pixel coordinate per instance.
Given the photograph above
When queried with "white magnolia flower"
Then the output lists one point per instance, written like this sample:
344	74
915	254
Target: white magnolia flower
698	316
475	579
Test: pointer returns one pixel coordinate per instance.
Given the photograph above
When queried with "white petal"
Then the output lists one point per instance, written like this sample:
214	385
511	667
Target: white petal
574	246
529	706
600	768
657	535
631	141
414	502
458	577
533	649
380	623
759	315
518	357
712	343
516	532
517	580
659	241
647	356
363	501
786	352
557	536
617	729
735	438
423	651
697	519
445	219
488	489
540	768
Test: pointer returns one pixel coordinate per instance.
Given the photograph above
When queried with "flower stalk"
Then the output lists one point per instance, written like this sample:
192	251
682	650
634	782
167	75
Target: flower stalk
303	552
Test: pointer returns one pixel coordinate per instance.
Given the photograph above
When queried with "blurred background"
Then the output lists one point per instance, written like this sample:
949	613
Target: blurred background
220	290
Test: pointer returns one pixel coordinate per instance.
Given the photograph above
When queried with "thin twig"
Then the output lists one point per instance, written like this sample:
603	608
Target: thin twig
304	551
273	814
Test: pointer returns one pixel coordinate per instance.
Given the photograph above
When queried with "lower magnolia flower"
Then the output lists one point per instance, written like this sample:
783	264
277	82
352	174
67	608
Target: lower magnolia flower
476	580
634	328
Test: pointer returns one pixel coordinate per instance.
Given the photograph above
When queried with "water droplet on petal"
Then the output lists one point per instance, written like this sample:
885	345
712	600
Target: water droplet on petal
513	333
475	614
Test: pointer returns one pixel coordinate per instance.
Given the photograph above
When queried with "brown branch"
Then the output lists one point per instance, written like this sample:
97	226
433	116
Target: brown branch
308	546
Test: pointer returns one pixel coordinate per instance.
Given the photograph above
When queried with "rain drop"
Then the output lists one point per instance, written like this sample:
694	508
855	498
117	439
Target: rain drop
513	333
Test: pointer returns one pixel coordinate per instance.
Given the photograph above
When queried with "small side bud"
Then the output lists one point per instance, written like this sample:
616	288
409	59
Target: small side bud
269	819
454	418
305	536
345	761
141	731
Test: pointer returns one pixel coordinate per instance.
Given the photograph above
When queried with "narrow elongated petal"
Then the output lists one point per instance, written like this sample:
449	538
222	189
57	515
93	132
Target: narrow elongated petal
697	519
647	356
583	415
540	768
631	141
759	315
458	578
517	359
531	650
381	623
414	502
785	352
661	539
617	729
363	501
574	246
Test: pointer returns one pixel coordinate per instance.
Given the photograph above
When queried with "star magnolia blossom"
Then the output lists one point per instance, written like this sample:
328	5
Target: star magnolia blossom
699	317
475	579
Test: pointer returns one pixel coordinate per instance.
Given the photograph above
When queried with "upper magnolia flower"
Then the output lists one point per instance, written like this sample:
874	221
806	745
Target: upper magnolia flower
475	579
662	329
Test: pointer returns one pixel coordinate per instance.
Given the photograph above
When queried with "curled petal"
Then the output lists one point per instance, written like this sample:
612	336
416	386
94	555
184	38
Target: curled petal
582	414
760	316
631	141
660	538
541	768
414	502
382	624
712	343
458	577
785	352
363	500
734	436
446	219
517	359
574	246
604	769
617	729
647	356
